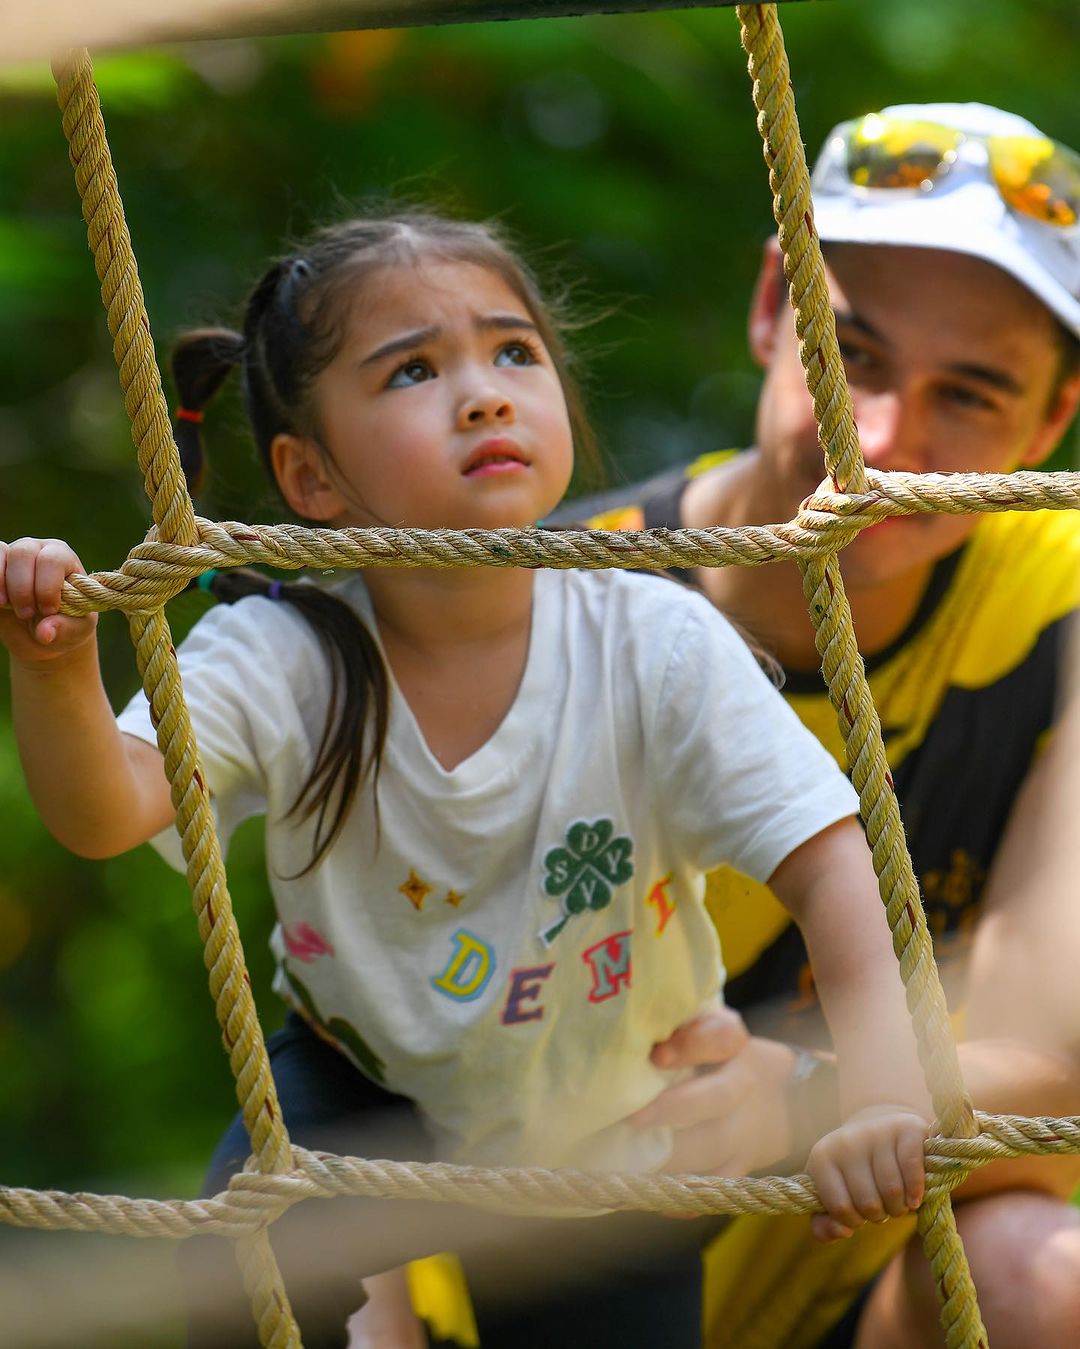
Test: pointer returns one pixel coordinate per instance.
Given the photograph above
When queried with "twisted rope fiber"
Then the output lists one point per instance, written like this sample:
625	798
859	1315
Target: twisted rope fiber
843	670
255	1199
223	957
151	576
841	663
174	519
789	179
122	296
157	570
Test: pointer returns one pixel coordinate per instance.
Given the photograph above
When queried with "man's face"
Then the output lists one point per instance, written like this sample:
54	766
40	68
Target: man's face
952	367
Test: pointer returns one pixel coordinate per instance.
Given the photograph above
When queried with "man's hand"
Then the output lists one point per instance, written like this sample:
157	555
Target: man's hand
732	1117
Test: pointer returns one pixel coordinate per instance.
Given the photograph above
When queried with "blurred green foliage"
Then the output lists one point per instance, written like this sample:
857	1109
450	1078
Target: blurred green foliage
621	152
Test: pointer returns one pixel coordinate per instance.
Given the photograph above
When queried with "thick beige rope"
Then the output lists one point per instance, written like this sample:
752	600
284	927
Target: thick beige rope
174	520
156	571
841	663
255	1199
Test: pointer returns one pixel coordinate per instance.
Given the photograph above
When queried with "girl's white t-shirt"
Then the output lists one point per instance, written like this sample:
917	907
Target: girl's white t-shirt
505	946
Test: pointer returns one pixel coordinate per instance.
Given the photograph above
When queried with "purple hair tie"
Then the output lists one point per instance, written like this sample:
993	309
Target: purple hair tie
274	593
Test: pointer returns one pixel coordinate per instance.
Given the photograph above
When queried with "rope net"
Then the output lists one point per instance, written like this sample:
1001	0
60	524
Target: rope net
180	545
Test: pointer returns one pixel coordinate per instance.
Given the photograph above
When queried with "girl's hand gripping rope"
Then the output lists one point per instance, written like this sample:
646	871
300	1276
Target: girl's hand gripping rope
97	791
32	575
871	1168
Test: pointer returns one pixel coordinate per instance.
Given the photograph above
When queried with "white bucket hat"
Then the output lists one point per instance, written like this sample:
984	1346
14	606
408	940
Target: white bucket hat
960	210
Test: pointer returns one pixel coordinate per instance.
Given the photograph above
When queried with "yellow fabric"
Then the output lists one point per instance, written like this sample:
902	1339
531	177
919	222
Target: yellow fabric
441	1299
1019	574
764	1278
746	913
704	462
620	517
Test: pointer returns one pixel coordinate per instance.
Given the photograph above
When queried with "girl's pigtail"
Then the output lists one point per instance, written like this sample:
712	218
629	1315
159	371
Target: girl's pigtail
359	699
274	351
357	717
200	362
276	345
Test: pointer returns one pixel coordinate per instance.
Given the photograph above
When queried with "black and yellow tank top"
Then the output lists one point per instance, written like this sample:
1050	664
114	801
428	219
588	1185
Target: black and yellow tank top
966	695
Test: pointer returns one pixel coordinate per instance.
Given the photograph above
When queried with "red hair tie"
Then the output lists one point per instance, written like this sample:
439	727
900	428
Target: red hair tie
188	415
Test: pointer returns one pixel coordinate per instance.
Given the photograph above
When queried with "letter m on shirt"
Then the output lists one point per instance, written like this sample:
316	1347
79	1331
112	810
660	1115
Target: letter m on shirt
609	961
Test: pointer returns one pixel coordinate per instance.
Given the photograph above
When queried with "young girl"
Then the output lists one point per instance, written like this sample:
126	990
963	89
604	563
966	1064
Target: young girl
491	795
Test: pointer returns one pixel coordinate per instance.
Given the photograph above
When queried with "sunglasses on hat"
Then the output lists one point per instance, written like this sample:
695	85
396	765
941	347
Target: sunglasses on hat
1036	177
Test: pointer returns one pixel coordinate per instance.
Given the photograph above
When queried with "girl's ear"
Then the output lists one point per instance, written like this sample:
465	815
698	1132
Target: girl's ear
302	477
769	301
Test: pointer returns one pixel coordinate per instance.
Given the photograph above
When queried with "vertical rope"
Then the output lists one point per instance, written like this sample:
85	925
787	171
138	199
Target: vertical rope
836	644
122	296
804	267
174	517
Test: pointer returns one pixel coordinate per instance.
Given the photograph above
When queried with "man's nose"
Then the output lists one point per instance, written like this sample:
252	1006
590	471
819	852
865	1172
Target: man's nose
888	430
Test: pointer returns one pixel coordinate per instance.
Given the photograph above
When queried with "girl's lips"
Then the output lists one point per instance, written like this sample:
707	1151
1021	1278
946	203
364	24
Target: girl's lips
489	467
496	456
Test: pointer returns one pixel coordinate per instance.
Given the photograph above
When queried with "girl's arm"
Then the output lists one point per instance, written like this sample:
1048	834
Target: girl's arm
873	1164
99	792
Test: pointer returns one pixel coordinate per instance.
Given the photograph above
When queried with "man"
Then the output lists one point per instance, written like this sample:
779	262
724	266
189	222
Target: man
953	251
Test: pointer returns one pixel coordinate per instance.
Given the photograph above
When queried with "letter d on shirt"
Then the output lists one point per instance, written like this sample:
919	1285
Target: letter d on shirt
469	969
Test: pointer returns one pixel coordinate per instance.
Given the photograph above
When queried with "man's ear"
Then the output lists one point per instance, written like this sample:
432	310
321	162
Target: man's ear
303	479
768	303
1057	422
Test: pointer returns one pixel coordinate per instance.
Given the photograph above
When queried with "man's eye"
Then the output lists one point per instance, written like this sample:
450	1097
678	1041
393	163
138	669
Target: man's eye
963	397
412	372
516	353
856	358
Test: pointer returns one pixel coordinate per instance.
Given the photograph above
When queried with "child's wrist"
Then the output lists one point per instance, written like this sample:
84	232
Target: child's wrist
47	663
813	1096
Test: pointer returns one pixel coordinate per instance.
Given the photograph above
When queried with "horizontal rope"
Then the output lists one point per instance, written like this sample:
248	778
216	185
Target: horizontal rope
254	1199
156	571
892	494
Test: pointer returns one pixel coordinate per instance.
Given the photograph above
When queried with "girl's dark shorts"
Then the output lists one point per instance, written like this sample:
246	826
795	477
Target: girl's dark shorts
617	1281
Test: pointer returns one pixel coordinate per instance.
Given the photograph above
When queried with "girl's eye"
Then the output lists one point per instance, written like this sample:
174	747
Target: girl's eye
516	353
412	372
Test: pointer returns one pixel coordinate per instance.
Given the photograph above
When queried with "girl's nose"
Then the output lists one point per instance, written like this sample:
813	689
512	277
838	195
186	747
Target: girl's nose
485	405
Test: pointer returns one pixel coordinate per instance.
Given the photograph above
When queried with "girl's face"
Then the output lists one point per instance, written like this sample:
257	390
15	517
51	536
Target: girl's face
442	409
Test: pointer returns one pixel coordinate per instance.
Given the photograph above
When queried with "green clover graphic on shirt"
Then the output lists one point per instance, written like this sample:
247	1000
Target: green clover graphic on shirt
585	872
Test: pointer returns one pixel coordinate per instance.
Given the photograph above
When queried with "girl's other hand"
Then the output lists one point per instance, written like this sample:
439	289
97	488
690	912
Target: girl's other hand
32	575
871	1168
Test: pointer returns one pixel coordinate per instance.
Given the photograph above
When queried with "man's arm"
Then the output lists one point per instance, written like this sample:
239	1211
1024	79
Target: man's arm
1021	1053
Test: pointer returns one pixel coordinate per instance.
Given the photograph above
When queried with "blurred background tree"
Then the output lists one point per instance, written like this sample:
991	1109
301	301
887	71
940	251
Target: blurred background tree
620	151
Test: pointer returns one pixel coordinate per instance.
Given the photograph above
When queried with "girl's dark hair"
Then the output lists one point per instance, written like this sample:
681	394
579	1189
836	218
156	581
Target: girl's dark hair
294	325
